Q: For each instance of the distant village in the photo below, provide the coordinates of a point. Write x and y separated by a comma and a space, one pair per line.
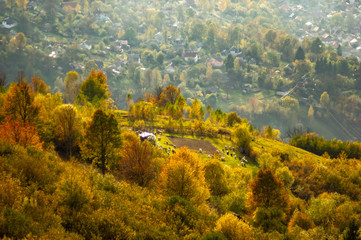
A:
334, 22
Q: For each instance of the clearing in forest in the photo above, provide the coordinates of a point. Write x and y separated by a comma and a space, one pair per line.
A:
193, 144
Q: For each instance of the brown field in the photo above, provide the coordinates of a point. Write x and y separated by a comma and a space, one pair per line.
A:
193, 144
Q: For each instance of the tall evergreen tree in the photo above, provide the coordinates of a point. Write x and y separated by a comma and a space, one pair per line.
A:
229, 63
300, 54
339, 50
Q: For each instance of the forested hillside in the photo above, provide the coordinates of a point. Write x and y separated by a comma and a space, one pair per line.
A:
80, 171
170, 119
269, 61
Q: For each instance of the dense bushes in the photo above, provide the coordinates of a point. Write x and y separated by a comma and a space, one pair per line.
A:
318, 145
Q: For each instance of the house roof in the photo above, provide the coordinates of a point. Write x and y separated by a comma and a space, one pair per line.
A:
215, 63
354, 41
325, 35
69, 4
146, 135
190, 54
123, 42
9, 23
169, 69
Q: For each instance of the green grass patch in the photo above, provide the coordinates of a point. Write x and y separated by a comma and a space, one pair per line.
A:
273, 146
220, 144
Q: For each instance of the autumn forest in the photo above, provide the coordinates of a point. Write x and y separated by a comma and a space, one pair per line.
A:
179, 120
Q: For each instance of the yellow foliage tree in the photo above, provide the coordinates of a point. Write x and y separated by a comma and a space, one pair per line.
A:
183, 176
224, 4
324, 99
22, 4
18, 42
234, 228
310, 112
209, 72
68, 127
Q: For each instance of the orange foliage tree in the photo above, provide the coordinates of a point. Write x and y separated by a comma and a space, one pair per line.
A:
18, 132
268, 191
38, 85
169, 94
21, 112
138, 163
270, 200
19, 103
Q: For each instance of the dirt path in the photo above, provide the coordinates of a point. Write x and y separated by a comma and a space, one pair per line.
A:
193, 144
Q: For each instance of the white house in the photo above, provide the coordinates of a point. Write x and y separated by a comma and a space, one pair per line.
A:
191, 56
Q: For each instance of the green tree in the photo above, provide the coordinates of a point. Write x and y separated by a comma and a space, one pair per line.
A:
300, 54
198, 30
229, 63
317, 46
273, 58
101, 138
339, 50
131, 35
303, 67
160, 58
94, 88
210, 39
322, 210
242, 138
190, 12
270, 219
342, 67
216, 178
233, 118
129, 99
337, 19
271, 36
148, 58
89, 66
